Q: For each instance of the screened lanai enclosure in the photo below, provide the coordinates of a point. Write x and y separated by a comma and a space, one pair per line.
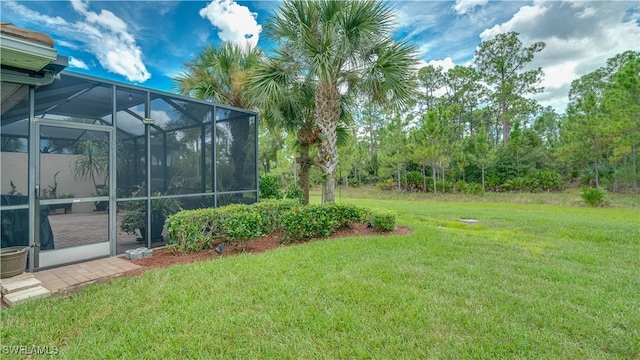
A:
85, 161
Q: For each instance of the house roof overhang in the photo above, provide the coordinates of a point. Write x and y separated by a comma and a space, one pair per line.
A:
28, 57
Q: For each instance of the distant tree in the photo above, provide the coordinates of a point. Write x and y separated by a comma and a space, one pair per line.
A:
602, 128
482, 155
393, 141
501, 62
622, 103
464, 93
429, 143
431, 78
547, 125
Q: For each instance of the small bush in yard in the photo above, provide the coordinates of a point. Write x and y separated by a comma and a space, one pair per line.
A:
294, 191
383, 221
593, 196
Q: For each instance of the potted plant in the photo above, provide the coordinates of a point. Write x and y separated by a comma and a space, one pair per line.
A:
135, 218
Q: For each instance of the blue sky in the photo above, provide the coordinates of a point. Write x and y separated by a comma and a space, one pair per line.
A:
146, 42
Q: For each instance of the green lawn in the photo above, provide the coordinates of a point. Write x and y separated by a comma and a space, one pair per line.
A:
527, 281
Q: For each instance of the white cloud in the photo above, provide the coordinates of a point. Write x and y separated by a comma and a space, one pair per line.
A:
67, 44
77, 63
102, 34
34, 16
446, 64
236, 22
465, 6
161, 117
580, 37
113, 45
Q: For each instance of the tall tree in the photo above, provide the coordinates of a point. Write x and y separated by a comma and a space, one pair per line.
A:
622, 103
393, 146
501, 61
343, 46
482, 154
428, 143
601, 127
464, 93
431, 79
586, 134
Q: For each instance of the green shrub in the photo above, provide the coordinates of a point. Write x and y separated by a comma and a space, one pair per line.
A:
308, 222
269, 187
593, 196
346, 214
461, 186
313, 221
193, 230
414, 181
515, 184
240, 223
474, 188
388, 184
383, 221
549, 181
273, 212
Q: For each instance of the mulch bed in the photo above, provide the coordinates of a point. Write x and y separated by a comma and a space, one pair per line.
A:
163, 258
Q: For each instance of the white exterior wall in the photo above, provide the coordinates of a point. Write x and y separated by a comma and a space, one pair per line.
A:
15, 167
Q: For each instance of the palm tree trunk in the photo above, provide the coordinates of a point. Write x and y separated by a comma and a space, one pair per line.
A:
305, 166
328, 111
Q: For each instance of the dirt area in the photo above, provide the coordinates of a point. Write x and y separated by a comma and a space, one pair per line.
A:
163, 258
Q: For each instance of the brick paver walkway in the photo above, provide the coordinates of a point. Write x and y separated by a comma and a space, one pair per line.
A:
62, 278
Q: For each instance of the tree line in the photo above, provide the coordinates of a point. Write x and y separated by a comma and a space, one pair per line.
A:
342, 102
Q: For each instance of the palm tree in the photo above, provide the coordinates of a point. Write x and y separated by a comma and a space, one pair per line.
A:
343, 47
220, 75
93, 162
287, 101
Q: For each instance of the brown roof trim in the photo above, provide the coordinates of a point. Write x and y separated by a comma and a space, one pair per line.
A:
30, 35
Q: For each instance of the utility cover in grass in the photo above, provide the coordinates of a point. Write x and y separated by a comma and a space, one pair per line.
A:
470, 221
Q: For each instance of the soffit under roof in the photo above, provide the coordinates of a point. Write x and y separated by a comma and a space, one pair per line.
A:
25, 49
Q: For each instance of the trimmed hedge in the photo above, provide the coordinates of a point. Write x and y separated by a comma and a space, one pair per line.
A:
273, 211
314, 221
194, 230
